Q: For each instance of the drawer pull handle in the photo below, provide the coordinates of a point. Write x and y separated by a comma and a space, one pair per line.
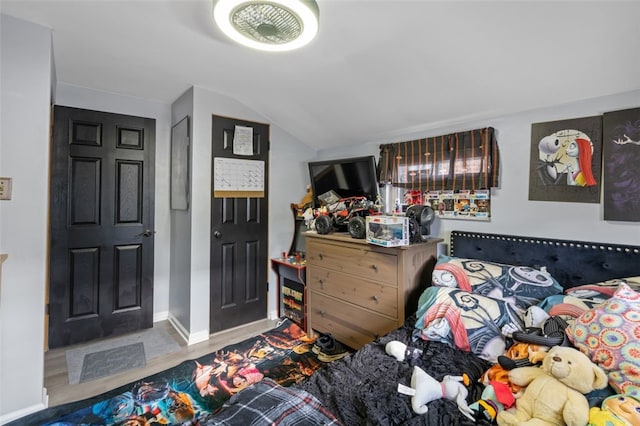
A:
322, 313
375, 298
321, 256
375, 267
321, 282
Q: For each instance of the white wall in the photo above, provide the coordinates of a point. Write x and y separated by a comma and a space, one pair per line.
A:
24, 148
24, 156
511, 211
180, 291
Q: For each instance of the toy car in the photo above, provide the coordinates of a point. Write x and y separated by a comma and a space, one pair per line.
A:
347, 213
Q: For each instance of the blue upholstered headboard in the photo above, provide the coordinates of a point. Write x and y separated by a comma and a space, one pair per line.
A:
572, 263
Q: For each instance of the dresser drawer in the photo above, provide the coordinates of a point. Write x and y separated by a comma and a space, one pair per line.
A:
349, 324
354, 260
368, 294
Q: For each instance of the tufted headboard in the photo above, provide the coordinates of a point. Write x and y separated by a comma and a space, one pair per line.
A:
571, 263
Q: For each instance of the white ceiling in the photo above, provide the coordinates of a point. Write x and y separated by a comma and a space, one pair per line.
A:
377, 69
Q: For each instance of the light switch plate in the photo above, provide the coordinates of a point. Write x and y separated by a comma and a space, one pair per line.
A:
5, 188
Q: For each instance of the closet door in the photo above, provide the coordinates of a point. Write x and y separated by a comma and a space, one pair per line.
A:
239, 223
101, 219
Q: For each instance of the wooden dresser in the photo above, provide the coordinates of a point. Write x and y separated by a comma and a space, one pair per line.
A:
358, 291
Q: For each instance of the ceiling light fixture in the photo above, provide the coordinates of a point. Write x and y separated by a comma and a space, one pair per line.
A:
275, 25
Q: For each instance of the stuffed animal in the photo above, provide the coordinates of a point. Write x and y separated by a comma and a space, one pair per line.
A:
495, 397
522, 354
518, 355
534, 316
617, 410
307, 199
401, 352
425, 389
555, 391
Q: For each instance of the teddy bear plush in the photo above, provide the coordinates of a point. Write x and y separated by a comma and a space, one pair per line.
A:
554, 394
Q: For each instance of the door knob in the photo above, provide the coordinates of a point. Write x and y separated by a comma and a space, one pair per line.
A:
217, 234
146, 233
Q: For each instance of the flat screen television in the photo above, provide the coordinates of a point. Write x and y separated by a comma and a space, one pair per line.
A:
348, 177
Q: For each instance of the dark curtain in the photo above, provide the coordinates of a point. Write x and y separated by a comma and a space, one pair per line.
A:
463, 160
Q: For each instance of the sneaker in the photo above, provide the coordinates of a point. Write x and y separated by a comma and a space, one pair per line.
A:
333, 352
323, 342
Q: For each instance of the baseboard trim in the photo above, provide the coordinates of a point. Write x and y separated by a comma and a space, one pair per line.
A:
201, 336
160, 316
15, 415
189, 338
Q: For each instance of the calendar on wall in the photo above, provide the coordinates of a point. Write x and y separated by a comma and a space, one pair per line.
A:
233, 177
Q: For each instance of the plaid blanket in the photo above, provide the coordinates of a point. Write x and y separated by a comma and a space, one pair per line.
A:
268, 403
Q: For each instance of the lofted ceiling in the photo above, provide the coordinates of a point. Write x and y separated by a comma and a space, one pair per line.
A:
378, 69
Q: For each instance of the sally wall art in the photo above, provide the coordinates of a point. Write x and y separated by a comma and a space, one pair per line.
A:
566, 159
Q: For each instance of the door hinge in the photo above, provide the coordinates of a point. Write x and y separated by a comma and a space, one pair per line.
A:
47, 308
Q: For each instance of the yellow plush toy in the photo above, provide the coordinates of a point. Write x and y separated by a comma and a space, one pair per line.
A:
555, 391
617, 410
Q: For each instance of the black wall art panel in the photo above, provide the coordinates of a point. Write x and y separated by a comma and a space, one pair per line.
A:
621, 157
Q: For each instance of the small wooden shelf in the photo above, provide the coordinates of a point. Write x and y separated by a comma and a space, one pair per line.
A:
292, 289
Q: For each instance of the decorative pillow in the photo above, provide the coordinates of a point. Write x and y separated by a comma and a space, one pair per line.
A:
603, 290
610, 335
466, 321
520, 285
568, 306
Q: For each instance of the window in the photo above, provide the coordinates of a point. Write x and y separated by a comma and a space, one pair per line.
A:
464, 160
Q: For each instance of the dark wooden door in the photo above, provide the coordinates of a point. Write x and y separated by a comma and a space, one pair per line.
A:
239, 223
101, 219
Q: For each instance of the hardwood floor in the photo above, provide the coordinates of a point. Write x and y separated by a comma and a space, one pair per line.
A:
56, 378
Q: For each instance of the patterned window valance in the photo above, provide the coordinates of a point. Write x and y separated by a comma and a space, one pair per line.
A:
464, 160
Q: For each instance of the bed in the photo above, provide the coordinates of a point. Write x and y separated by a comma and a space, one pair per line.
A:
362, 388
